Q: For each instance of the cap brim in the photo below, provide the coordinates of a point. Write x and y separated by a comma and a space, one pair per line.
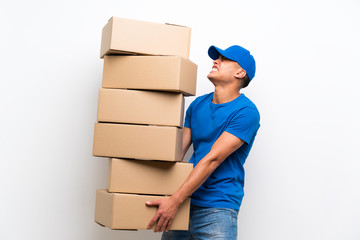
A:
215, 52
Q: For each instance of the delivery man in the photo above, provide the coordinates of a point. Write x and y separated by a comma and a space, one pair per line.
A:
221, 126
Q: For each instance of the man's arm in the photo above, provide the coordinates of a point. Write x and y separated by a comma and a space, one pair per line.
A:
168, 207
186, 141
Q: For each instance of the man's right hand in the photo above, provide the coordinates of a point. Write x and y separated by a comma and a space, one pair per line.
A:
167, 209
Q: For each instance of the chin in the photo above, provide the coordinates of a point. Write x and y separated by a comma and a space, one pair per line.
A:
211, 79
210, 75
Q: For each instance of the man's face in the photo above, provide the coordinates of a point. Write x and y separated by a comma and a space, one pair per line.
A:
223, 69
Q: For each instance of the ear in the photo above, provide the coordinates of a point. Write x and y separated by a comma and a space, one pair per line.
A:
241, 73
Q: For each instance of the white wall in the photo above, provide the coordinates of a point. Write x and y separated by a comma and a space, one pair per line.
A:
302, 175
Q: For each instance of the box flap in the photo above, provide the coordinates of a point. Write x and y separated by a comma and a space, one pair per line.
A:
176, 25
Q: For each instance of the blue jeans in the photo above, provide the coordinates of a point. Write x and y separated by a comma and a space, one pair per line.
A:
207, 223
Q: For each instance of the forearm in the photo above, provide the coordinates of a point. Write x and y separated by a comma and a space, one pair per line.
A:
222, 148
197, 177
168, 207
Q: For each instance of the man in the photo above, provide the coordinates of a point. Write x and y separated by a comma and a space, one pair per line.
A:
222, 126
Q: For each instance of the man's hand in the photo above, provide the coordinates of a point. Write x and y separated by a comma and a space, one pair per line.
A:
167, 209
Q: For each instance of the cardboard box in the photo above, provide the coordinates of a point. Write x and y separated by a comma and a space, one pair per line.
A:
146, 177
141, 107
137, 141
129, 211
163, 73
127, 36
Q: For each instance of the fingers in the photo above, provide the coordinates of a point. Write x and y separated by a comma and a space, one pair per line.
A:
156, 217
153, 220
169, 225
159, 225
153, 203
163, 217
162, 224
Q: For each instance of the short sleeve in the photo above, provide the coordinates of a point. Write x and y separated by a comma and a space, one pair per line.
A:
244, 124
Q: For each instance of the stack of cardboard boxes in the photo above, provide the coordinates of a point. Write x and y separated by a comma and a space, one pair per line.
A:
140, 119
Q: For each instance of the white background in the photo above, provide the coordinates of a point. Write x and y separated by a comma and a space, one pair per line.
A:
302, 176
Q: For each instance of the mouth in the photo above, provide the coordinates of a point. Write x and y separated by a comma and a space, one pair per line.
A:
214, 69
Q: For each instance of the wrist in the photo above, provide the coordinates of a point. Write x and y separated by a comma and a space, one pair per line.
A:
178, 198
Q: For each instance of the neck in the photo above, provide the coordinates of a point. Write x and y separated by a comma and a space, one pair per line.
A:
224, 95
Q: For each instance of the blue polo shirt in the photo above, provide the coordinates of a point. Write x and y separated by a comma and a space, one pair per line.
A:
225, 186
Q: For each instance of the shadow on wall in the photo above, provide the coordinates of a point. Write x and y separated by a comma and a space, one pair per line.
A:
189, 154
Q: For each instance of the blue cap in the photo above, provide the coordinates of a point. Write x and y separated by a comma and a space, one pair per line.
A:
237, 54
